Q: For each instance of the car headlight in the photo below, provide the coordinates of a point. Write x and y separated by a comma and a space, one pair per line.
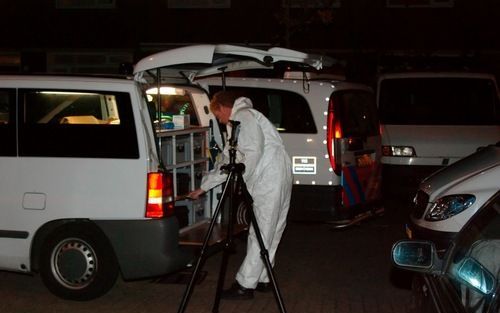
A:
398, 151
449, 206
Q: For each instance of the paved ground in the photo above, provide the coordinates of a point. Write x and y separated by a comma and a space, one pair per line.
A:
318, 270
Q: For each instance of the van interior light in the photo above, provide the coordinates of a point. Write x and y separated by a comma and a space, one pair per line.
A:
171, 91
67, 93
309, 140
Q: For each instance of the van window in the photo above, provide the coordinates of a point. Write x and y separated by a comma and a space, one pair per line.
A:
288, 111
7, 122
438, 101
357, 112
76, 124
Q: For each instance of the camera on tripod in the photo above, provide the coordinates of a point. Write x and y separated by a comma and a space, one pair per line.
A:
242, 198
233, 144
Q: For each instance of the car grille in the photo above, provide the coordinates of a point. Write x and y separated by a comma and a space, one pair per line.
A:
419, 204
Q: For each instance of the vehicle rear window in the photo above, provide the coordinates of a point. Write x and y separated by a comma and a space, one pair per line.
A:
7, 122
64, 123
438, 101
171, 105
357, 112
288, 111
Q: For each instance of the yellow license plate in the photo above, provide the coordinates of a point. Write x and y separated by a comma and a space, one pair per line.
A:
408, 232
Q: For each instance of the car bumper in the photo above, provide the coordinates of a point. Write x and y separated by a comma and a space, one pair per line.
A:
406, 175
441, 239
145, 248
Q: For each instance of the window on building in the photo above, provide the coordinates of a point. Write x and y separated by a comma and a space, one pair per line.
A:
420, 3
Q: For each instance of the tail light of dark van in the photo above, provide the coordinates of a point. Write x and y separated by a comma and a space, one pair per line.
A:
160, 195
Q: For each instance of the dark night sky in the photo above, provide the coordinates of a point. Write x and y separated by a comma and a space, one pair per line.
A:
360, 31
357, 24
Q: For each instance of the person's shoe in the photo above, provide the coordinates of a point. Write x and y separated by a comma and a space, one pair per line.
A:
264, 287
237, 292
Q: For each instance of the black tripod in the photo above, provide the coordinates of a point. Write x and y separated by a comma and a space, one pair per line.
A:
234, 186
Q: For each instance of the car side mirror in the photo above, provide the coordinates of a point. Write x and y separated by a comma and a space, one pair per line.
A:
418, 256
475, 275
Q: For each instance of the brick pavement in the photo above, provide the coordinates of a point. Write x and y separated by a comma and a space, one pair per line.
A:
318, 270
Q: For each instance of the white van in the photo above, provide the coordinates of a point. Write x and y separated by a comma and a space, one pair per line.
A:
432, 119
329, 127
88, 179
82, 195
449, 198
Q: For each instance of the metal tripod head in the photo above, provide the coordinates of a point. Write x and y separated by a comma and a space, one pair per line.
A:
233, 140
233, 144
233, 169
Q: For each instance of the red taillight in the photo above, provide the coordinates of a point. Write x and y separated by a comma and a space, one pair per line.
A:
338, 129
333, 131
160, 202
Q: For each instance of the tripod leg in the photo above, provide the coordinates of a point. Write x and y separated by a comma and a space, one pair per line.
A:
228, 245
265, 258
201, 259
222, 277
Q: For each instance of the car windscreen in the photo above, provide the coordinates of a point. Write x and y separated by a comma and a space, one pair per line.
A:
438, 101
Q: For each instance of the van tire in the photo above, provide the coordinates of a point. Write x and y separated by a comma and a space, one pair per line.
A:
77, 263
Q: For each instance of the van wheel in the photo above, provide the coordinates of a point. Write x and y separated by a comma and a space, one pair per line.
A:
77, 264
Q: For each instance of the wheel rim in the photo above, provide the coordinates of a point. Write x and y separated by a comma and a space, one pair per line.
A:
74, 263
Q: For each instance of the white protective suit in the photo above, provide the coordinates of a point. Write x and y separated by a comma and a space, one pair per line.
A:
268, 176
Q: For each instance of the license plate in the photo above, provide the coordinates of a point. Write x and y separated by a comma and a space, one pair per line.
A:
408, 232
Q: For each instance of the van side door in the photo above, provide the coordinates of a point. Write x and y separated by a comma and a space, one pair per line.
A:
10, 197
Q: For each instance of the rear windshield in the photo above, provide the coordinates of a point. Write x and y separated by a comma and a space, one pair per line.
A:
357, 112
438, 101
171, 105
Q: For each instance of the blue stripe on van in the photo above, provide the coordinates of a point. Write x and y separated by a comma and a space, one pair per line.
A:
348, 191
359, 188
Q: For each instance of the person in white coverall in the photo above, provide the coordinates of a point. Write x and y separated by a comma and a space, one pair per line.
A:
268, 176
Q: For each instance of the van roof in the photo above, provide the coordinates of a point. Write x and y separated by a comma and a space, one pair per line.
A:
66, 77
191, 62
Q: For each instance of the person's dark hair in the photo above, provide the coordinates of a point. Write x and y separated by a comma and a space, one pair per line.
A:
224, 98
